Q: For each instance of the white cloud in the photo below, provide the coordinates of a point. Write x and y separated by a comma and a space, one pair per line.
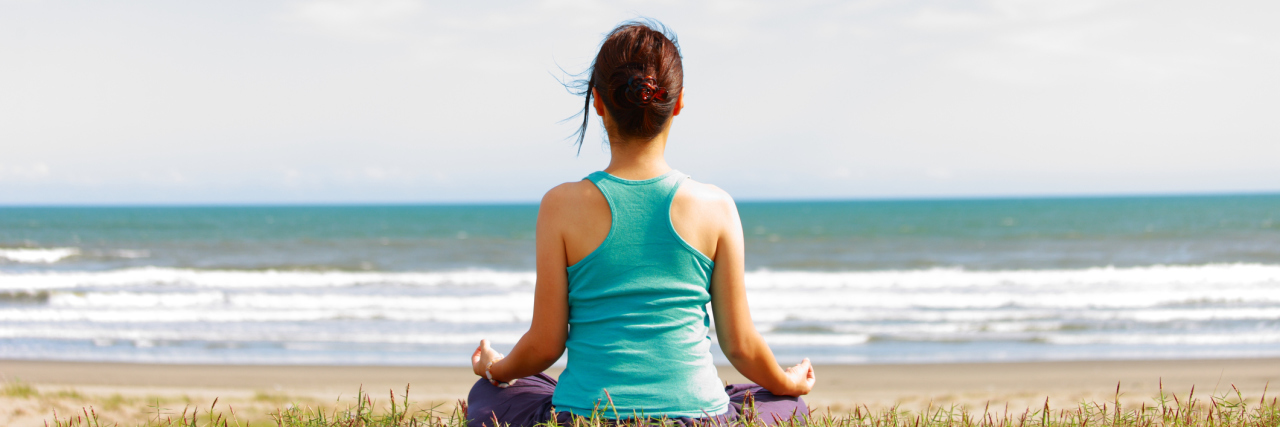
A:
939, 173
1032, 42
400, 100
1048, 10
939, 19
358, 19
29, 172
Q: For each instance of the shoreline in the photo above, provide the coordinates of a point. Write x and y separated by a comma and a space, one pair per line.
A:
68, 386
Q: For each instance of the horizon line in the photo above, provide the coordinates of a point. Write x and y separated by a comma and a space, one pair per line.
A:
1082, 196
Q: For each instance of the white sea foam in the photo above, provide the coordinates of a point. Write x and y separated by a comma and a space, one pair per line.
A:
135, 299
951, 331
151, 336
840, 312
240, 279
954, 296
1251, 337
517, 301
1058, 284
37, 256
188, 315
130, 253
816, 339
876, 314
1115, 298
1162, 276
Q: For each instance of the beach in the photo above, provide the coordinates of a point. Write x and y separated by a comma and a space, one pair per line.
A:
125, 392
309, 213
139, 312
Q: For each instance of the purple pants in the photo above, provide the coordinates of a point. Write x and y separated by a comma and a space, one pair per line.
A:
528, 402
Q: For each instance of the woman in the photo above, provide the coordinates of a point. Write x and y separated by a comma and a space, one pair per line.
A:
627, 260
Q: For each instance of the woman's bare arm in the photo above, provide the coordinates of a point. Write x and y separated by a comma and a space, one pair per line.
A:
543, 344
738, 338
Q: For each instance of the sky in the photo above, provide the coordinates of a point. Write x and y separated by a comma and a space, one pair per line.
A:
408, 101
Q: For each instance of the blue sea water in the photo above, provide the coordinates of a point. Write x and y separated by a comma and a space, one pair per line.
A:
839, 282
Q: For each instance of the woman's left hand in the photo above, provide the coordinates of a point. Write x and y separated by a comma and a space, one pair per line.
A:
802, 377
483, 356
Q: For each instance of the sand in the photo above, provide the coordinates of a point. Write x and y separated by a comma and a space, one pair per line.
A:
131, 392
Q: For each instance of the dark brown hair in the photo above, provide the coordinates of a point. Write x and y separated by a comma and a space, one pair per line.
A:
639, 77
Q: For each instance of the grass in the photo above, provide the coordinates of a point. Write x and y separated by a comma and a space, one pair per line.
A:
1166, 410
19, 390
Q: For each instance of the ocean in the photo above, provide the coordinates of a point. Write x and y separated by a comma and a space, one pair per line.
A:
914, 281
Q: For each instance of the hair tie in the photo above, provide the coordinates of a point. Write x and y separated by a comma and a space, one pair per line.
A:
643, 91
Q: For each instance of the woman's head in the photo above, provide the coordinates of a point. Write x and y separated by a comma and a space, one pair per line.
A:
638, 77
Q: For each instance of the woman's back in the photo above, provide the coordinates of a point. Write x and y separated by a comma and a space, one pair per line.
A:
625, 273
638, 300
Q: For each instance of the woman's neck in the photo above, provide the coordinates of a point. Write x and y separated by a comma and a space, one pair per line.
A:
638, 159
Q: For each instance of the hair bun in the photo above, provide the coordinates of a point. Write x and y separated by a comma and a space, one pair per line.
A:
643, 91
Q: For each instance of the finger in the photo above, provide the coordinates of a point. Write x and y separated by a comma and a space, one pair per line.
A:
485, 344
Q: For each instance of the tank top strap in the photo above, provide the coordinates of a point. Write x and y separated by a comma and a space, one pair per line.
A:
676, 180
637, 203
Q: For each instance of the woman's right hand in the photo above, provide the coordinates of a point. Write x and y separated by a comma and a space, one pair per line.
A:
483, 357
802, 378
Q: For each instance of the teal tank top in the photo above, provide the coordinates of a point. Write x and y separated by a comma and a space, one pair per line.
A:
638, 323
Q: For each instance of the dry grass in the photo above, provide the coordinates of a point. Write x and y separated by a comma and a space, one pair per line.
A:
1166, 409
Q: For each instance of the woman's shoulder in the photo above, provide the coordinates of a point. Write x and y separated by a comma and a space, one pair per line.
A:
571, 200
704, 195
703, 215
705, 201
572, 193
